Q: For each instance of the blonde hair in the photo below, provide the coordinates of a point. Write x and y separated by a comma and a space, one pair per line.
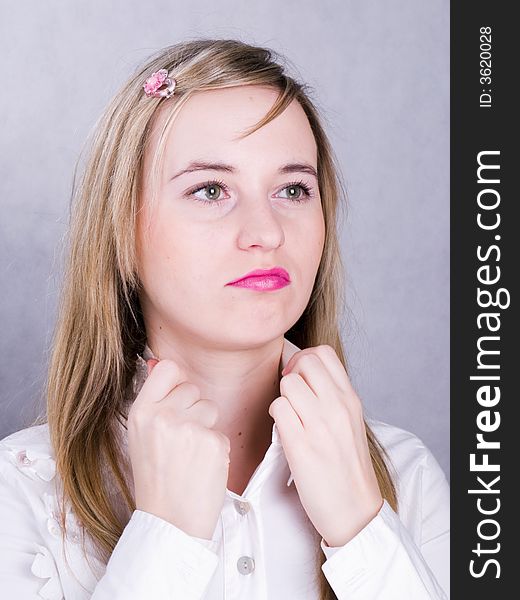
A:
100, 328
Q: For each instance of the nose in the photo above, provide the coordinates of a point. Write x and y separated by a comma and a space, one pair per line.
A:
260, 224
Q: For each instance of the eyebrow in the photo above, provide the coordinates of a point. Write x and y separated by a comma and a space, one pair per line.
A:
216, 166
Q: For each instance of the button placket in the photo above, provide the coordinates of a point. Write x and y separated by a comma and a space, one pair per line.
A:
245, 564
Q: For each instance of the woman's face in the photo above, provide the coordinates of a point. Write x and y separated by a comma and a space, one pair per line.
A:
211, 226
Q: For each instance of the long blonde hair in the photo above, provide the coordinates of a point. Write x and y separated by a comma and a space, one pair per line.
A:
100, 327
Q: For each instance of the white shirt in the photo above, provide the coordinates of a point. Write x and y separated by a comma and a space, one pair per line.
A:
263, 547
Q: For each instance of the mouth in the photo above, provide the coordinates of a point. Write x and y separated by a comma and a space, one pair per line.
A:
263, 280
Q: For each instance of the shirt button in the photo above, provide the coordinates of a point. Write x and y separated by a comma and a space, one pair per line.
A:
245, 565
242, 507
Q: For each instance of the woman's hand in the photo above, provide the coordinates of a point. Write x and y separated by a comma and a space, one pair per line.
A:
320, 421
180, 463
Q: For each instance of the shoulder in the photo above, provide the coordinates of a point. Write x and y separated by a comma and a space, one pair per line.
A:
29, 484
30, 528
421, 485
27, 480
27, 455
406, 451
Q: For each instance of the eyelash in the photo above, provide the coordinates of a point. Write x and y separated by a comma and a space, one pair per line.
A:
306, 190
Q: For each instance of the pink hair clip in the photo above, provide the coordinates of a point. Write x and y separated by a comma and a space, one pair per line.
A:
158, 80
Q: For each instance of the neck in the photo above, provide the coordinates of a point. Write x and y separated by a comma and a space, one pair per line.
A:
242, 381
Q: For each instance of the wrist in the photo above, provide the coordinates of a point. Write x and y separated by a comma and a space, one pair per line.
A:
341, 537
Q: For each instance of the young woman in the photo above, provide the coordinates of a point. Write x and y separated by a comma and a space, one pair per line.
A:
202, 437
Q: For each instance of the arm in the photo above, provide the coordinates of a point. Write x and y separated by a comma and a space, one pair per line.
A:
21, 545
383, 562
152, 559
155, 559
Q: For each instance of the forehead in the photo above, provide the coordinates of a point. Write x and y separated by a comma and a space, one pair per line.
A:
209, 125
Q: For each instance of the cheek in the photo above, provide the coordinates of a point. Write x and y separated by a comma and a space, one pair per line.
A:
311, 238
159, 241
320, 234
180, 257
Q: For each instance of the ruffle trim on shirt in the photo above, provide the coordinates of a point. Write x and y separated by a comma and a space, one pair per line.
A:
38, 463
35, 463
35, 460
43, 566
72, 526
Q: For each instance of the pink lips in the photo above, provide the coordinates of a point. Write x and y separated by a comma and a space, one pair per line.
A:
263, 280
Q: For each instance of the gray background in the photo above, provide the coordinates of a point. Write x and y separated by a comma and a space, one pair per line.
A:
381, 74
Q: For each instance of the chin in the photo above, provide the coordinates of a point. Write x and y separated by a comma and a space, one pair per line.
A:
249, 335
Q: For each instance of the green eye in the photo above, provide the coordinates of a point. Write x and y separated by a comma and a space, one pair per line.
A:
214, 186
307, 192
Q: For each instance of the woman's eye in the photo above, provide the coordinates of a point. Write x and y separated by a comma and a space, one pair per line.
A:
211, 192
297, 191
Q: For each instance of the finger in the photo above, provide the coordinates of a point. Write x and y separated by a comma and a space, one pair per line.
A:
328, 356
348, 394
204, 412
304, 403
311, 369
287, 422
150, 364
333, 364
166, 374
336, 370
296, 356
183, 396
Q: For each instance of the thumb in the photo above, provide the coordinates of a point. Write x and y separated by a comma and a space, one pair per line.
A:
270, 409
150, 363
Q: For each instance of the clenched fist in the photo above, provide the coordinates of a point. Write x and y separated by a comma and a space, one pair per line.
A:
179, 462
